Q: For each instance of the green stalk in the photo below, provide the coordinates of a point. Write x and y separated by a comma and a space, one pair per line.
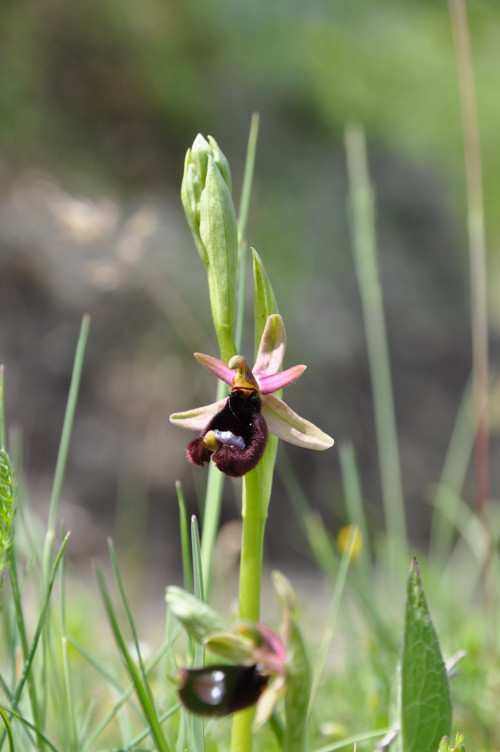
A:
362, 216
215, 483
477, 244
256, 495
479, 295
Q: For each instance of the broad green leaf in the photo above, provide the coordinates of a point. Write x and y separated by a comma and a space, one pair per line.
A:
425, 695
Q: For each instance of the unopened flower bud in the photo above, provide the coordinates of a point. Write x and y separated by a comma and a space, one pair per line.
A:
209, 208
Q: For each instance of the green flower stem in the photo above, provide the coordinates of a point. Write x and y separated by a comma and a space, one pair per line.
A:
254, 516
227, 346
256, 494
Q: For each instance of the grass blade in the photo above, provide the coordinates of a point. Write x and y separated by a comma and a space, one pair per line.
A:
246, 192
130, 620
8, 729
26, 676
184, 533
326, 640
477, 245
142, 691
356, 514
195, 724
362, 224
452, 478
65, 441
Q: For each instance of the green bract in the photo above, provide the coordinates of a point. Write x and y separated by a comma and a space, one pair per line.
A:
207, 201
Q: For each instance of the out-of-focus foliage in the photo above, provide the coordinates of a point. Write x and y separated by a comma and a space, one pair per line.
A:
106, 95
132, 81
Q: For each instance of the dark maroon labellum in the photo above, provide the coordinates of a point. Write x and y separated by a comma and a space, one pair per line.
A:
220, 690
240, 434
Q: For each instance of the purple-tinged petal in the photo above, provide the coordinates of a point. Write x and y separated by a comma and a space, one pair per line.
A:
217, 367
273, 382
283, 422
272, 346
198, 418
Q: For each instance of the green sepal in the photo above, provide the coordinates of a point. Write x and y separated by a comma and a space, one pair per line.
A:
265, 302
199, 619
232, 646
425, 704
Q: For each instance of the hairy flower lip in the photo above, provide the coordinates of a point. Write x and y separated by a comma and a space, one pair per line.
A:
264, 379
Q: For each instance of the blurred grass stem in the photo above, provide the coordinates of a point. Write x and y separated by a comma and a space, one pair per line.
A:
479, 296
362, 225
62, 455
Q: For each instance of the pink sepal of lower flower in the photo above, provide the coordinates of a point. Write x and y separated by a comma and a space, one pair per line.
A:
265, 378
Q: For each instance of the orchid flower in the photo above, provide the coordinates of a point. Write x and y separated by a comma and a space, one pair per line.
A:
263, 668
234, 430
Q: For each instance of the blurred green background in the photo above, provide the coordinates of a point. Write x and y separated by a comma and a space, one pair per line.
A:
99, 101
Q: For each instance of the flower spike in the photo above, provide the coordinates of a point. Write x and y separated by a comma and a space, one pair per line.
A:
234, 430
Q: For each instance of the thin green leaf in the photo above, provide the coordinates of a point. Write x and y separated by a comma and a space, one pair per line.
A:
362, 226
184, 531
298, 692
246, 192
41, 621
356, 514
328, 634
353, 740
7, 729
124, 694
425, 704
197, 564
141, 690
70, 726
65, 441
196, 724
31, 727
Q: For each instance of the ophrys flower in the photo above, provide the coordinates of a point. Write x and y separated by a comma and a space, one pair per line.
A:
234, 430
